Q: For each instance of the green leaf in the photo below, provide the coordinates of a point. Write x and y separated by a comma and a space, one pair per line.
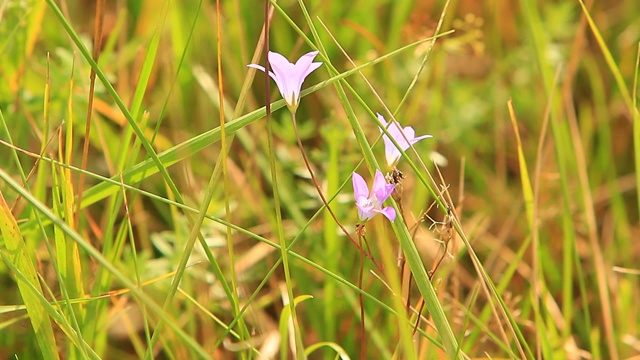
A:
285, 316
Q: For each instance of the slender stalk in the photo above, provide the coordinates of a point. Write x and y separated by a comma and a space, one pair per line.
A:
322, 197
363, 334
97, 44
225, 176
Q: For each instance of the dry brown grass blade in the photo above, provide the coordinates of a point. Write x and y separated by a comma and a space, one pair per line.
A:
97, 45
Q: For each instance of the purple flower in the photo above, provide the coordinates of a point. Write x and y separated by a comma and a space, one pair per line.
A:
392, 154
289, 77
370, 204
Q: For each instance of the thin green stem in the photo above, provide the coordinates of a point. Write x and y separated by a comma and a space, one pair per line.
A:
299, 349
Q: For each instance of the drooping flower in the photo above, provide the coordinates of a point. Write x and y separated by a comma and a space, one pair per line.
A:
370, 204
391, 152
289, 77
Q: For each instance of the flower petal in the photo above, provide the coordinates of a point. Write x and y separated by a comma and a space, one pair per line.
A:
261, 68
380, 188
289, 77
256, 66
415, 140
312, 67
382, 120
277, 61
397, 133
365, 214
360, 188
305, 65
391, 153
283, 73
404, 137
378, 181
409, 133
389, 212
366, 208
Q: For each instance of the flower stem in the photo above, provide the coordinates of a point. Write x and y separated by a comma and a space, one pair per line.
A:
363, 336
324, 200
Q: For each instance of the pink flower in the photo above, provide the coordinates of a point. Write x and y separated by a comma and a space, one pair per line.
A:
370, 204
392, 154
289, 77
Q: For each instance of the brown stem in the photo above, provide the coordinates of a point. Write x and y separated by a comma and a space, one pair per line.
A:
97, 45
324, 200
448, 230
363, 337
421, 307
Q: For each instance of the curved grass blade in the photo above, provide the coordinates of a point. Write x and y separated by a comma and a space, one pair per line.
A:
286, 324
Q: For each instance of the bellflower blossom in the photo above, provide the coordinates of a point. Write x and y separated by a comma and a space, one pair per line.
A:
392, 154
289, 77
370, 204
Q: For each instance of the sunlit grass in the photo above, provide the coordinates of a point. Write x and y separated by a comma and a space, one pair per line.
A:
157, 213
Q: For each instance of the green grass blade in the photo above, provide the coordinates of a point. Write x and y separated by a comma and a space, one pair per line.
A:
284, 326
100, 259
613, 66
636, 124
15, 252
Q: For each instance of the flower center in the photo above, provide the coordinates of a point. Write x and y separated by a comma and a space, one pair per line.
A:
366, 204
